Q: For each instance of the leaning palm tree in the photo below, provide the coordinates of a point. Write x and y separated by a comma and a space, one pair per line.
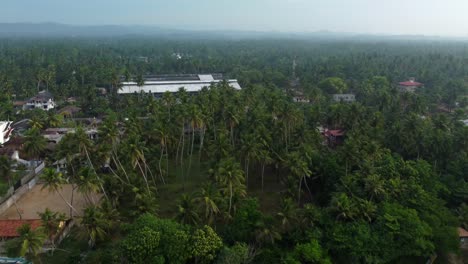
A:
31, 241
187, 213
53, 181
94, 224
231, 179
209, 198
51, 222
88, 183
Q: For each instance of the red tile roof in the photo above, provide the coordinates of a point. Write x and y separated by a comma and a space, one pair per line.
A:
462, 232
335, 133
410, 83
8, 227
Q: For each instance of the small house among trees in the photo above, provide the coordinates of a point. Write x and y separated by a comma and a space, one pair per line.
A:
409, 86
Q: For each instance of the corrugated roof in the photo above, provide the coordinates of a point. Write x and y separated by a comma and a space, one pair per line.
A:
171, 86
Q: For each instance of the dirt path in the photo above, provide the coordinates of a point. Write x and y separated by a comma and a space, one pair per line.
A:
37, 200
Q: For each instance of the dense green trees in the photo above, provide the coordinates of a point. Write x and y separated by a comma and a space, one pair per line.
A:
252, 165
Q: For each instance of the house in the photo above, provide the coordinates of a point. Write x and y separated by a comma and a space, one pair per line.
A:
43, 100
8, 230
463, 235
409, 86
158, 85
333, 137
5, 131
347, 98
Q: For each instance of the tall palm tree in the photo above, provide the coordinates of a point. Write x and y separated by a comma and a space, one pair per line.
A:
51, 222
95, 225
31, 241
208, 198
230, 177
5, 168
52, 181
34, 143
54, 120
187, 213
84, 145
135, 148
88, 183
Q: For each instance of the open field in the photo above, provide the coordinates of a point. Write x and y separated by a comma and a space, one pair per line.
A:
37, 200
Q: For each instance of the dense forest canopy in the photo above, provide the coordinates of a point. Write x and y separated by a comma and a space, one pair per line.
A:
247, 176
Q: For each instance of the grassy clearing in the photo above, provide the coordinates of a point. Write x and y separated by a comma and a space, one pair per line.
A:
181, 182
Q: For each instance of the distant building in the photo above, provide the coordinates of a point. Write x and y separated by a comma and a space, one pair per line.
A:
333, 137
5, 131
463, 235
465, 122
43, 100
409, 86
8, 228
158, 85
347, 98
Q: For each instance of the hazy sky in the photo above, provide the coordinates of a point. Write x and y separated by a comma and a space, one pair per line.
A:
429, 17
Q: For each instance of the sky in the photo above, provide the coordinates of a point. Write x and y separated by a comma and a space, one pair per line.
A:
407, 17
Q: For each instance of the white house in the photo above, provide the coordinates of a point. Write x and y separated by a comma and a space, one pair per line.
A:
43, 100
5, 131
347, 98
158, 85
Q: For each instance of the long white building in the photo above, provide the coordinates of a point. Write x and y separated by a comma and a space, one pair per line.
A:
172, 83
5, 131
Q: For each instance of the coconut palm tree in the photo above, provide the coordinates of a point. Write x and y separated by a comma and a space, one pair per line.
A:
230, 177
84, 145
53, 181
51, 222
95, 225
135, 149
209, 198
87, 183
5, 168
187, 213
34, 143
31, 241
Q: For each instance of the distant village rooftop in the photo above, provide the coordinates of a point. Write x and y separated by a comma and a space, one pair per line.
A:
159, 84
410, 83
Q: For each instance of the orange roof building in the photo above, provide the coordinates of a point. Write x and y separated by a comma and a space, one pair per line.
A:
8, 228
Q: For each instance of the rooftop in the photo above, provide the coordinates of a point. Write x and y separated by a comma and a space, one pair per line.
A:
8, 227
462, 232
172, 83
410, 83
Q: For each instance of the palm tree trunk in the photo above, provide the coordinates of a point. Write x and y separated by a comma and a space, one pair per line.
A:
191, 150
247, 161
63, 198
299, 192
144, 177
202, 137
263, 173
230, 197
100, 182
159, 164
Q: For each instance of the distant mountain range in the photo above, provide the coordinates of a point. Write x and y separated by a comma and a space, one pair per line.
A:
63, 30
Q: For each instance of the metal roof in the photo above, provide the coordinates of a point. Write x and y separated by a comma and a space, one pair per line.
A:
152, 85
